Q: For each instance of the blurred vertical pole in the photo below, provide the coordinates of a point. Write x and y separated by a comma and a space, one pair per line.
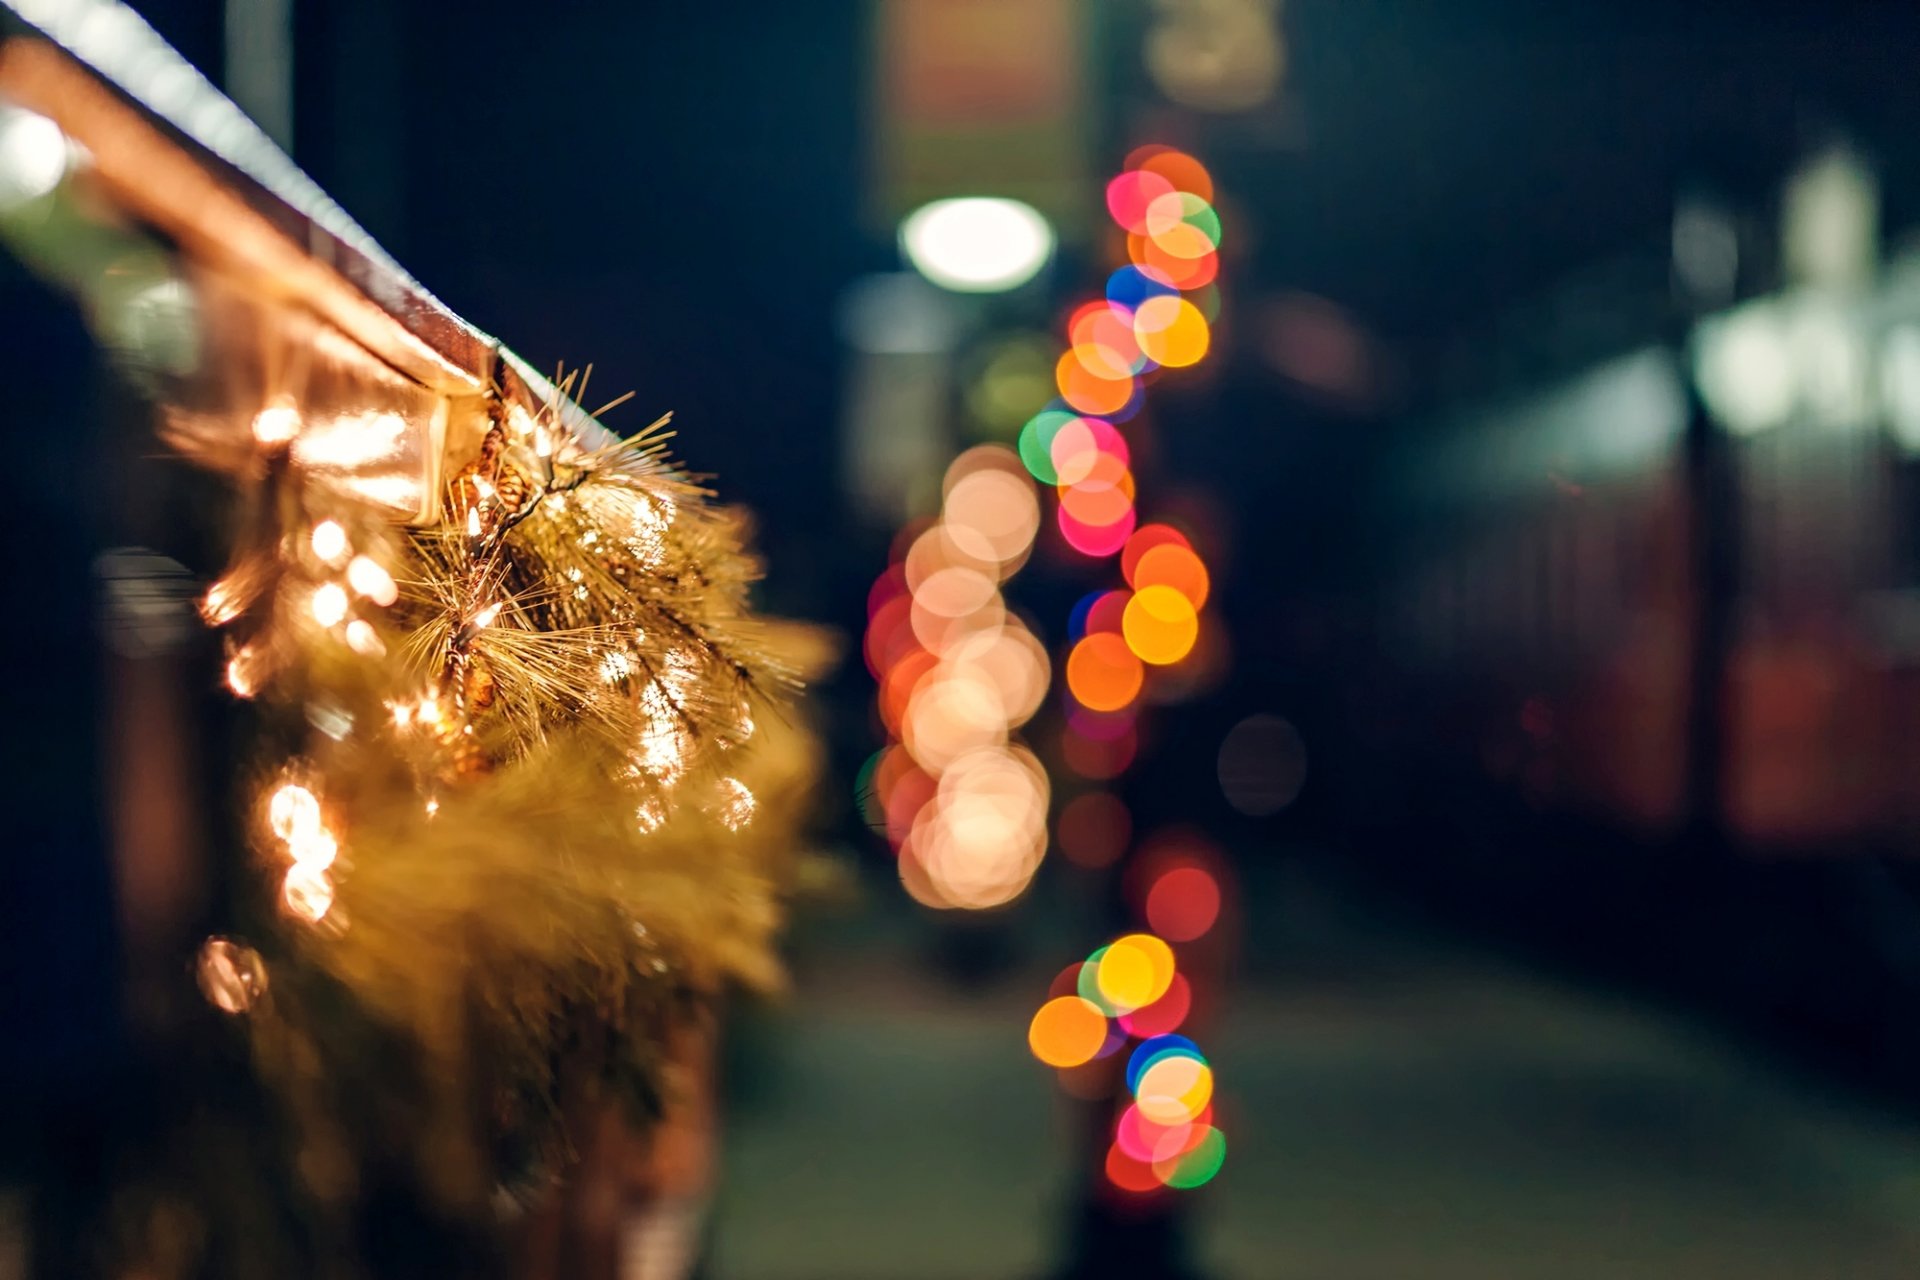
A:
258, 67
1710, 494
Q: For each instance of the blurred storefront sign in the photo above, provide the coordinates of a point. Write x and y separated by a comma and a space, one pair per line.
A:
982, 97
981, 108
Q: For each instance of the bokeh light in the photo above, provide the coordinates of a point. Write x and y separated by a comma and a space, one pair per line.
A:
1144, 539
1091, 392
1175, 1088
1101, 335
1186, 274
1084, 445
1087, 984
1036, 442
1102, 673
1093, 539
1093, 829
1126, 643
1183, 903
1160, 625
1148, 1142
1163, 1016
1067, 1031
1153, 1050
1129, 1174
1262, 765
1133, 284
1195, 1166
1098, 759
963, 805
1171, 332
991, 515
1183, 224
1135, 971
977, 244
1181, 171
1107, 612
1168, 564
1131, 194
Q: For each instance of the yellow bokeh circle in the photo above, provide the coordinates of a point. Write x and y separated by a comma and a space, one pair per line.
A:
1135, 971
1171, 331
1160, 625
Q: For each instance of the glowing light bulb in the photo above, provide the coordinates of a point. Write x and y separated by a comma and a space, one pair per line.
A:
231, 975
485, 617
33, 157
244, 672
292, 809
329, 541
222, 603
276, 424
367, 577
316, 849
308, 892
329, 604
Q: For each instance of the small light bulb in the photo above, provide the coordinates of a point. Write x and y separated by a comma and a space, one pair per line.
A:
293, 811
316, 849
485, 617
243, 673
308, 892
329, 541
372, 581
473, 522
329, 604
221, 604
363, 639
276, 424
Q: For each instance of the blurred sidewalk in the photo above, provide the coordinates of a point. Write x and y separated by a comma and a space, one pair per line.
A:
1395, 1107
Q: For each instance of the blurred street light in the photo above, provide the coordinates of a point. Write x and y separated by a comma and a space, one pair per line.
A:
977, 244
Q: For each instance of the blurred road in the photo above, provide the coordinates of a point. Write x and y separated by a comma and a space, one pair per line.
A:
1396, 1108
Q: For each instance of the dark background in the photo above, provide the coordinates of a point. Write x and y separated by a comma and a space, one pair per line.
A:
1523, 1031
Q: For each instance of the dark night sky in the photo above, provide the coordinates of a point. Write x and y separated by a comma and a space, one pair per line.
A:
676, 193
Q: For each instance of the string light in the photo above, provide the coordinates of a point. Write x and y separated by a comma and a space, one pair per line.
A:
329, 541
368, 578
1120, 638
329, 604
276, 424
